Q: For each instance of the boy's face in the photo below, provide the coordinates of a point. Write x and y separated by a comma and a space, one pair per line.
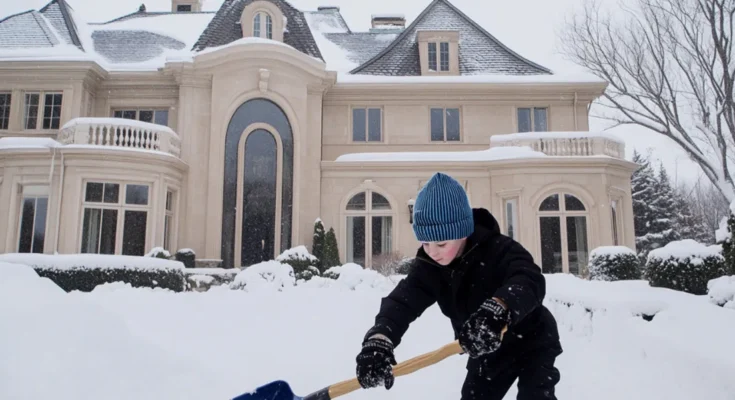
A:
444, 252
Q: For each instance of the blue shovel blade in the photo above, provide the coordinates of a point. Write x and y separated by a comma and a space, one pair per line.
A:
277, 390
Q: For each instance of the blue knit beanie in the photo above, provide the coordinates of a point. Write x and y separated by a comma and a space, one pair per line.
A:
442, 211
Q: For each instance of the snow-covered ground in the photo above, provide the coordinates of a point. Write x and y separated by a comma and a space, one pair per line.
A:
124, 343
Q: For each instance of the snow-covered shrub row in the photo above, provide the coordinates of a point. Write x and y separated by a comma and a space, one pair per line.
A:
614, 263
274, 275
721, 291
685, 265
83, 272
200, 279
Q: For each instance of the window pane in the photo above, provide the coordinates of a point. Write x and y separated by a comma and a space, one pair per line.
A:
4, 110
577, 244
551, 203
183, 8
259, 198
358, 124
572, 203
31, 111
452, 124
109, 232
169, 200
444, 54
256, 25
52, 111
510, 218
39, 228
146, 115
167, 232
539, 119
129, 114
112, 192
380, 202
94, 192
356, 240
382, 238
136, 194
25, 242
357, 202
134, 233
551, 261
268, 27
524, 120
374, 124
432, 56
161, 117
437, 124
117, 114
614, 219
91, 230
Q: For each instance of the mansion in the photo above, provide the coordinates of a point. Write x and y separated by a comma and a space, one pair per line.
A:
232, 132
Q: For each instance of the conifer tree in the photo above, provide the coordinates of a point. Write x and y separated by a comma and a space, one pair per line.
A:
642, 189
662, 230
318, 242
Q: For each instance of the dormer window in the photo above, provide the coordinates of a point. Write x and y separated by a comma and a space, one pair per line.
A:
183, 8
186, 6
262, 19
439, 52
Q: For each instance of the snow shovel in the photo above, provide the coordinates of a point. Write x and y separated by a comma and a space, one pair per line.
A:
280, 390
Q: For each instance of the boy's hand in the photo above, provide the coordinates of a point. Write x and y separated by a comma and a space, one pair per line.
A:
482, 333
374, 363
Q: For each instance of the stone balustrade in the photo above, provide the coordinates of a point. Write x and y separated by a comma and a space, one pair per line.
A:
564, 143
120, 133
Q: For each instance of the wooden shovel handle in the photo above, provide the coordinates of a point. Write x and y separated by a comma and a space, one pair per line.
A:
406, 367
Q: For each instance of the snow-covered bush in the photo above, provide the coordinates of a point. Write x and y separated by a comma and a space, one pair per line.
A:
159, 252
186, 256
685, 265
355, 277
391, 263
267, 275
83, 272
614, 263
721, 291
202, 279
304, 264
726, 237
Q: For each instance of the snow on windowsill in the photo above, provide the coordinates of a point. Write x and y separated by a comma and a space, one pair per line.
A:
554, 135
492, 154
89, 261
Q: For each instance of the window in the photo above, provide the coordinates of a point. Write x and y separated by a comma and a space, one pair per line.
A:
369, 227
614, 221
532, 119
258, 20
50, 118
183, 8
366, 124
155, 116
563, 216
33, 219
168, 222
113, 211
443, 56
511, 218
4, 110
445, 124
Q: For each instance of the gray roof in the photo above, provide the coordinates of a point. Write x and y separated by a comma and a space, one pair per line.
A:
225, 27
122, 46
57, 12
27, 29
479, 51
361, 46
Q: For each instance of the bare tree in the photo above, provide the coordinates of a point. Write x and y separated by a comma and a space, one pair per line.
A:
706, 203
670, 68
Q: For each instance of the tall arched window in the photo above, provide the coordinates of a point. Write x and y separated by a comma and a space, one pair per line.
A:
369, 229
563, 226
259, 19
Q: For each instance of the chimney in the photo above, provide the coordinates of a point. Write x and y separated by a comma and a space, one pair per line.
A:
184, 6
388, 21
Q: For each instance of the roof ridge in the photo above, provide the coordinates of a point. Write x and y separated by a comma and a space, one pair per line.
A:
48, 30
70, 23
119, 19
16, 15
397, 39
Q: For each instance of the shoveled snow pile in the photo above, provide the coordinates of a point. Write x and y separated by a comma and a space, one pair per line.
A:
118, 342
721, 291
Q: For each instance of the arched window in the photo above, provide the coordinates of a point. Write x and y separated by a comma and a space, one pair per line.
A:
563, 227
369, 228
259, 19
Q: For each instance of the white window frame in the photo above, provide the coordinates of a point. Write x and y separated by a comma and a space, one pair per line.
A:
437, 59
369, 213
444, 120
533, 117
121, 208
264, 25
367, 124
7, 109
41, 109
562, 214
37, 191
169, 235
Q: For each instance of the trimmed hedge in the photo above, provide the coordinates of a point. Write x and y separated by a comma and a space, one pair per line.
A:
304, 264
685, 265
614, 263
86, 279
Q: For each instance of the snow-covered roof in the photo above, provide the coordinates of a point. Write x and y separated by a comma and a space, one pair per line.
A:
491, 154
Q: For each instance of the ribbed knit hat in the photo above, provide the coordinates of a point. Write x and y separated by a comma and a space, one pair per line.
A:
442, 211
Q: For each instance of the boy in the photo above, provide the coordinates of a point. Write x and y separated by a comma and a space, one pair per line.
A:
483, 281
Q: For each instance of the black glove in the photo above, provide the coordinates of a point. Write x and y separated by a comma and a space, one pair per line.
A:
481, 334
374, 363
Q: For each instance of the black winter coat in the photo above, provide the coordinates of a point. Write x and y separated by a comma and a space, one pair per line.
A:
492, 265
